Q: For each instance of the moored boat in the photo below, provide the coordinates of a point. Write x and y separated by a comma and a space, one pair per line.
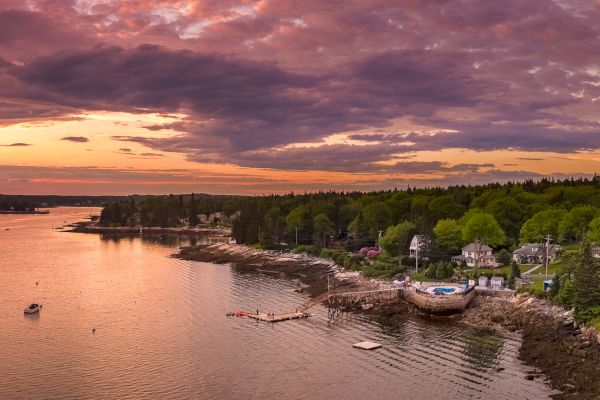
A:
32, 308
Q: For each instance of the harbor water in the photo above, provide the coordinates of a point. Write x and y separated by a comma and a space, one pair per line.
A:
122, 319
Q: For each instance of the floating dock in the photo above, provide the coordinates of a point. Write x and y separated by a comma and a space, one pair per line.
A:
367, 345
279, 317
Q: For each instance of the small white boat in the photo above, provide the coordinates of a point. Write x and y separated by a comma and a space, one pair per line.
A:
33, 308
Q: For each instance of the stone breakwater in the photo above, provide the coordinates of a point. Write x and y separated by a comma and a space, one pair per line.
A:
553, 342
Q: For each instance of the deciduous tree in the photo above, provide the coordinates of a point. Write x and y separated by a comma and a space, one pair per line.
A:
575, 223
323, 228
448, 234
482, 228
396, 237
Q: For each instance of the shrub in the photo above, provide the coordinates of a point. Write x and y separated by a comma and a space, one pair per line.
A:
504, 257
373, 253
440, 270
307, 249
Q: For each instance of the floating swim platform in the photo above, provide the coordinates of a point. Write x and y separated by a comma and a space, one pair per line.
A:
367, 345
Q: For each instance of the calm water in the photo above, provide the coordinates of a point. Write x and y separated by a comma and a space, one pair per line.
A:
161, 331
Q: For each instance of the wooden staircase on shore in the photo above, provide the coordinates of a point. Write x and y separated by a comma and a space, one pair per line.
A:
313, 302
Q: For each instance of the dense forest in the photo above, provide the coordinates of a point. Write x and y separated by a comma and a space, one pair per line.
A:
511, 213
371, 231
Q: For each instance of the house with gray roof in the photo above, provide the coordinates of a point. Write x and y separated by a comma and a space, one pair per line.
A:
533, 253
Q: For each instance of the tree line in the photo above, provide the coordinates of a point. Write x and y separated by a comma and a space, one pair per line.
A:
500, 215
166, 211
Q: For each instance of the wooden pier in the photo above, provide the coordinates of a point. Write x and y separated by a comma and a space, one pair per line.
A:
279, 317
338, 302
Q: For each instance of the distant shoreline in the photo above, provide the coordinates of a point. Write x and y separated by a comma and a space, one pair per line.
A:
8, 212
93, 227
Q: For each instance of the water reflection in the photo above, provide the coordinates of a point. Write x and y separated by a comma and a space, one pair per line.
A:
483, 351
168, 240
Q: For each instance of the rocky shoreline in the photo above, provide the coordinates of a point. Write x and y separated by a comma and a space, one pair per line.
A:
552, 342
312, 271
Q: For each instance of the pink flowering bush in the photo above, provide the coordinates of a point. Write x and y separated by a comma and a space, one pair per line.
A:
369, 252
373, 253
363, 251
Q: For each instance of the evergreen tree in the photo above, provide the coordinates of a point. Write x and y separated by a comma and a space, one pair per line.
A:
515, 271
586, 283
193, 211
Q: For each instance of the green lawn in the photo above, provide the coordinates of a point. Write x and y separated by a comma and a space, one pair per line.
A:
522, 267
571, 246
423, 278
552, 269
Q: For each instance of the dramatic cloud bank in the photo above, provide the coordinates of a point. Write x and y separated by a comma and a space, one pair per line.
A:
338, 86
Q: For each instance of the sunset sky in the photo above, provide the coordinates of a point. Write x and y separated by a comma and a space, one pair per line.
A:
228, 96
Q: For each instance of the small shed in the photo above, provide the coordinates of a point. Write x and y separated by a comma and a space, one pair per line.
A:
497, 282
483, 281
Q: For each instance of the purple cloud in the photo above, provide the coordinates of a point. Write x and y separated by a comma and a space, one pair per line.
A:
517, 75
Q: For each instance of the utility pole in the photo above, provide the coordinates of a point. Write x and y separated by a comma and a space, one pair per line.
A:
296, 236
417, 255
548, 237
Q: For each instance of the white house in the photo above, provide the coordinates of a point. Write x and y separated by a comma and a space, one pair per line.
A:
533, 253
418, 244
212, 217
474, 251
